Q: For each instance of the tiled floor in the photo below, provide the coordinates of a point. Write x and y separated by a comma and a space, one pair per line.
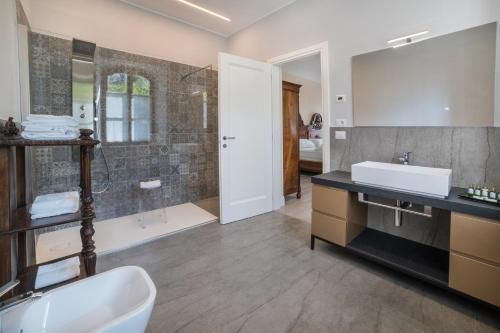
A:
259, 275
300, 208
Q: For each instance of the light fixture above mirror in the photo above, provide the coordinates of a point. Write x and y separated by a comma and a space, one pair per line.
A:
407, 40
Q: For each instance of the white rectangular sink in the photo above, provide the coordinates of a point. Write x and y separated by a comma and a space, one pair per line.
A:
433, 182
116, 301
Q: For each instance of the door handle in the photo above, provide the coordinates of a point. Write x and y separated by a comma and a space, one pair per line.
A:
228, 137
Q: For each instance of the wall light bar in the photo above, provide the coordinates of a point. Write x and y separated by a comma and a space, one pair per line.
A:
190, 4
407, 37
408, 42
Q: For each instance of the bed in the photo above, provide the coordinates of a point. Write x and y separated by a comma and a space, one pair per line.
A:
311, 155
310, 147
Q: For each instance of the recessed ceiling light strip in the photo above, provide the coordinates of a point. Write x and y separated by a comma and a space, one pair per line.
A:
190, 4
407, 37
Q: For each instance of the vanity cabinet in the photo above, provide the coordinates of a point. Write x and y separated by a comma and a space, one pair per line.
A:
475, 257
470, 267
475, 236
337, 216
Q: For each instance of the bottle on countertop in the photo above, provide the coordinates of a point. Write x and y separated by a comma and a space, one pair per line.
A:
470, 190
493, 194
477, 191
485, 192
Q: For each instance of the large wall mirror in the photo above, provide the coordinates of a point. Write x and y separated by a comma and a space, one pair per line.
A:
442, 81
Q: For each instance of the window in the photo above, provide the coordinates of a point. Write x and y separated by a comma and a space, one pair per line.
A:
128, 108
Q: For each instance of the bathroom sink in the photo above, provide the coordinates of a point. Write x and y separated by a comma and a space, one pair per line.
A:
119, 300
433, 182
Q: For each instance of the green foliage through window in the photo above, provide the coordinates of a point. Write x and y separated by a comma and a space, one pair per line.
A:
117, 83
140, 86
128, 108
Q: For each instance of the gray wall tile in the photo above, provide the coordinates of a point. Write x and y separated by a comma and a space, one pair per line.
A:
473, 153
181, 153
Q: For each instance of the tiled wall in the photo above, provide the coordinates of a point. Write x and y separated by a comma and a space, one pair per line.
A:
473, 153
181, 153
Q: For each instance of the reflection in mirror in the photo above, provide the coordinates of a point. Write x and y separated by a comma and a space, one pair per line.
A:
443, 81
128, 108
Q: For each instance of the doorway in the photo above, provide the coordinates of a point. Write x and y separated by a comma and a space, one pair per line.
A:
251, 132
305, 82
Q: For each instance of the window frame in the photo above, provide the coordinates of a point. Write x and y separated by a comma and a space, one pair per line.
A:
130, 75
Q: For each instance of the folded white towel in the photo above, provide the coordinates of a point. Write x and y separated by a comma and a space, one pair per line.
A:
46, 118
72, 261
55, 204
48, 127
150, 184
57, 272
70, 135
49, 123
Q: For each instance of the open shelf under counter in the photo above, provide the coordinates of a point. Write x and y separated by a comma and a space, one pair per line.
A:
422, 261
21, 221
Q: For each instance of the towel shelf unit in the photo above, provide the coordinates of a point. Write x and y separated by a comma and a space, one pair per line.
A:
20, 142
15, 219
21, 221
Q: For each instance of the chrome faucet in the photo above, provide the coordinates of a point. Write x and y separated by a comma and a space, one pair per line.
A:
19, 299
405, 159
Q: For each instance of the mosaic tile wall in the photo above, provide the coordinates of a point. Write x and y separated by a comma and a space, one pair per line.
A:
473, 153
181, 153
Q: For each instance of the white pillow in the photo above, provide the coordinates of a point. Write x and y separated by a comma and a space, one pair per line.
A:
306, 144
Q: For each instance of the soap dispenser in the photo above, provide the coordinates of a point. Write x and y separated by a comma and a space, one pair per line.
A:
493, 194
485, 192
477, 191
470, 190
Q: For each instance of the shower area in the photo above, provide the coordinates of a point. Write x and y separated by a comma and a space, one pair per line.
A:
157, 123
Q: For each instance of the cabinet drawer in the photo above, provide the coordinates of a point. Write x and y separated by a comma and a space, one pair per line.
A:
475, 236
328, 228
330, 201
475, 278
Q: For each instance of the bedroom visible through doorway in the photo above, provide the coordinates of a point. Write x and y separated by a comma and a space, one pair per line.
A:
303, 132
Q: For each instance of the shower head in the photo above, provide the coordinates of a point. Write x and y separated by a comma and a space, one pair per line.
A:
83, 50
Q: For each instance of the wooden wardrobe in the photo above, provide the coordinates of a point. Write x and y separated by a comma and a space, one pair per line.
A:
291, 155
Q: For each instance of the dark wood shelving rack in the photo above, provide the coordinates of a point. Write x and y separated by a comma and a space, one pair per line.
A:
15, 219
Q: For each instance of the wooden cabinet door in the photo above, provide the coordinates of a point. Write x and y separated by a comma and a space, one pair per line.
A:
291, 173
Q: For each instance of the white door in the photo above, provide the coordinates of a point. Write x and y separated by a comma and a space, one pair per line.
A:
245, 138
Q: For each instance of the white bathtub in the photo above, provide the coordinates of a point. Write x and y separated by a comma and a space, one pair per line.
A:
116, 301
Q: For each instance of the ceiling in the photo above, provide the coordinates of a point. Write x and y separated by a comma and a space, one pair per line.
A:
242, 13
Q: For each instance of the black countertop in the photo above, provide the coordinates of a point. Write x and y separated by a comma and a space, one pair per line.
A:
342, 180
